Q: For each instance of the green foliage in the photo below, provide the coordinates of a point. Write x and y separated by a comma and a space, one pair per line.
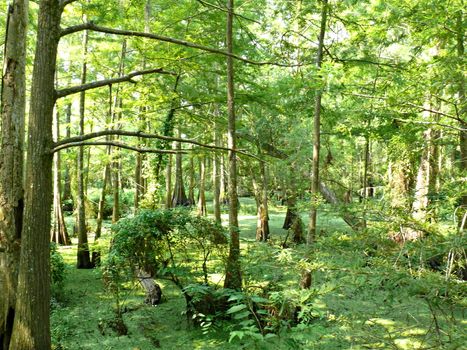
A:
58, 275
57, 266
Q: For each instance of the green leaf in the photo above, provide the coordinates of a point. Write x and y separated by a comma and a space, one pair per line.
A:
236, 308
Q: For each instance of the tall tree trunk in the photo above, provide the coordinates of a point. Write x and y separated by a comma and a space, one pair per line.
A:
233, 276
67, 176
31, 329
116, 161
138, 180
261, 193
13, 97
84, 258
316, 130
202, 182
168, 183
460, 30
59, 231
100, 209
216, 175
223, 195
191, 185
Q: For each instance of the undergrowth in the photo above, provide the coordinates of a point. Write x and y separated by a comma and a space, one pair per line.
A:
367, 292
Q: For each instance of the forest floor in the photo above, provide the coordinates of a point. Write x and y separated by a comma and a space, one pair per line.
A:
363, 296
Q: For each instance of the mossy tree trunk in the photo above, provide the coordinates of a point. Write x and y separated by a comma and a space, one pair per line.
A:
233, 276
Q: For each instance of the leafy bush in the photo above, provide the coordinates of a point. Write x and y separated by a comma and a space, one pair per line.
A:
170, 243
57, 273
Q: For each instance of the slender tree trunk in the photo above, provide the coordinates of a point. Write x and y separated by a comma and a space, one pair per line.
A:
233, 276
202, 182
191, 185
216, 175
138, 180
261, 193
31, 329
84, 258
66, 176
460, 30
100, 210
13, 97
316, 130
116, 119
223, 198
59, 231
168, 183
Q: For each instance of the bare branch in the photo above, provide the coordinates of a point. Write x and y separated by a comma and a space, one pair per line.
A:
114, 144
430, 123
95, 84
421, 108
96, 28
431, 110
78, 140
208, 4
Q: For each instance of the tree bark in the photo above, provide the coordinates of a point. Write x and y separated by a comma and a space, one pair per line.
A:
83, 255
316, 130
31, 329
233, 276
13, 97
202, 182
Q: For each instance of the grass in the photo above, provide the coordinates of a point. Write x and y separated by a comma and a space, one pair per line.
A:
361, 298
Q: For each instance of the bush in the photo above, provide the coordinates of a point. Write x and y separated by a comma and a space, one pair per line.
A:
57, 272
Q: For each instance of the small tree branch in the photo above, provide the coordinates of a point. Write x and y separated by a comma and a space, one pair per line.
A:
208, 4
96, 28
114, 144
95, 84
79, 139
430, 123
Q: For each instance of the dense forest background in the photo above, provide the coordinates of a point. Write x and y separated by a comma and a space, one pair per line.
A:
284, 173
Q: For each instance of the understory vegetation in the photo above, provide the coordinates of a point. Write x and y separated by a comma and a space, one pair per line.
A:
366, 291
